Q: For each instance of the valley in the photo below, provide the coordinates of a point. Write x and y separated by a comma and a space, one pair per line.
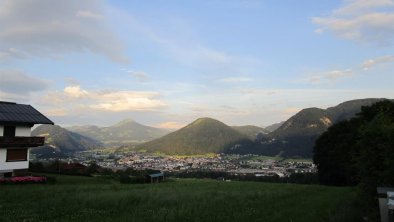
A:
294, 137
251, 165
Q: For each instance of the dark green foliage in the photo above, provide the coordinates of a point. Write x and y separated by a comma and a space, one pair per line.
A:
335, 152
93, 168
132, 179
376, 147
359, 151
97, 199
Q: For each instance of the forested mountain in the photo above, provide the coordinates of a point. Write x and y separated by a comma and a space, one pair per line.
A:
251, 131
273, 127
61, 141
205, 135
297, 135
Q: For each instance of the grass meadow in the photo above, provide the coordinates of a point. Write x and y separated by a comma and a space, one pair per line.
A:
74, 198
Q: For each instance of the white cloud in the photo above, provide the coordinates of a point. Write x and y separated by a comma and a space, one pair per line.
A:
74, 97
46, 28
127, 101
330, 76
75, 91
368, 64
362, 21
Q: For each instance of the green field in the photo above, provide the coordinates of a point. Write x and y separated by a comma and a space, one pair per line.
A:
74, 198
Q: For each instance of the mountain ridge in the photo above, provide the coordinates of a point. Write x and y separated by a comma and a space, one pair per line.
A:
125, 132
297, 135
59, 140
204, 135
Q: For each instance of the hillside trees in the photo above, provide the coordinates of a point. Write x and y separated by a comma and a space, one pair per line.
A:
359, 151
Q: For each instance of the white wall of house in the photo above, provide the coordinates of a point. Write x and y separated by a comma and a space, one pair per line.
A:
22, 131
10, 166
19, 131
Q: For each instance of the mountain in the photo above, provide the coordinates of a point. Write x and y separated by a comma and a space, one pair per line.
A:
273, 127
297, 135
123, 133
61, 141
251, 131
205, 135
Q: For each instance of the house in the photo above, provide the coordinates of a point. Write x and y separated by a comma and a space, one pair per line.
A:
16, 121
156, 177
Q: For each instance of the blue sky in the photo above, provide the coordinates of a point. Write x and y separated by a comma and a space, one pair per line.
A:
166, 63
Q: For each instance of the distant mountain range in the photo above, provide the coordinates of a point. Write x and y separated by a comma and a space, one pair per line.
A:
294, 137
205, 135
126, 132
59, 141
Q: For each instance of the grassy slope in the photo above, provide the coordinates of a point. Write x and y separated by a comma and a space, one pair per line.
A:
94, 199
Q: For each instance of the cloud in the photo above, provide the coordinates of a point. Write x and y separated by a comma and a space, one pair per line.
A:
121, 101
362, 21
89, 15
74, 97
56, 112
330, 76
354, 7
75, 91
368, 64
11, 53
139, 75
46, 28
19, 83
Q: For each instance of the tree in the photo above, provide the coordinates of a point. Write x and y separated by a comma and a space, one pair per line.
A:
359, 151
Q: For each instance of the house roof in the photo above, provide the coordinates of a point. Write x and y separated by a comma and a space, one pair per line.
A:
13, 113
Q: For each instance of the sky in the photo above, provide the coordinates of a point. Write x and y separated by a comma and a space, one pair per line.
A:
166, 63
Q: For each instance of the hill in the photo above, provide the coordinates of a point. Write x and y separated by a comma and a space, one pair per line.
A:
273, 127
61, 141
125, 132
251, 131
205, 135
297, 135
